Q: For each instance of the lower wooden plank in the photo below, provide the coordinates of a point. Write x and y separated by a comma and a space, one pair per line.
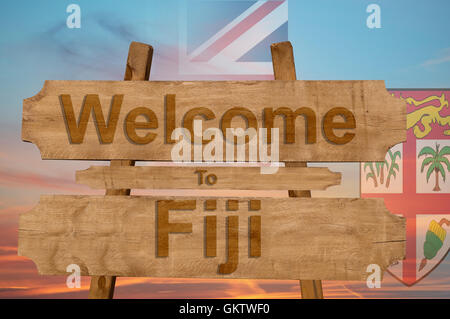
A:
322, 239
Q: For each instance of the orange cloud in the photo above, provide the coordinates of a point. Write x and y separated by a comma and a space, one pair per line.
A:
32, 180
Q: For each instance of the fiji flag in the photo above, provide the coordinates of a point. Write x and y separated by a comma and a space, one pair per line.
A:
230, 39
414, 181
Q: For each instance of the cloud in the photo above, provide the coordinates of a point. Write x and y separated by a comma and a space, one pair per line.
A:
443, 56
12, 289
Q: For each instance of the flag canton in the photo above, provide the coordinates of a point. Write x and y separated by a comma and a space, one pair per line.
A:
231, 38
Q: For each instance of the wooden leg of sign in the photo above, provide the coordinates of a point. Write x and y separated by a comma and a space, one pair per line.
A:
138, 69
102, 287
284, 69
311, 289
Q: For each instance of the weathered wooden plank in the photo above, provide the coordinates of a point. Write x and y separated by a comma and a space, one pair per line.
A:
166, 237
207, 177
346, 120
284, 69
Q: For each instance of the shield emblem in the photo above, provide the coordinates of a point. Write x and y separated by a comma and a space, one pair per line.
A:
414, 181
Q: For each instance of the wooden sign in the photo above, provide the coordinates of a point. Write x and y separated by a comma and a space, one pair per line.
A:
256, 238
317, 120
206, 177
290, 238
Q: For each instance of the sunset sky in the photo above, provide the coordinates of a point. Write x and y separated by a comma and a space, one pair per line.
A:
331, 42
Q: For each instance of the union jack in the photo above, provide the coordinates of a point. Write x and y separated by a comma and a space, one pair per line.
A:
239, 45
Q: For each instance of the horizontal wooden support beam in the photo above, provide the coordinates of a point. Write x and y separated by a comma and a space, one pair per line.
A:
207, 177
289, 238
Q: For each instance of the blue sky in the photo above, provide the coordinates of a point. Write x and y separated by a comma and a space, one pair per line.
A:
331, 41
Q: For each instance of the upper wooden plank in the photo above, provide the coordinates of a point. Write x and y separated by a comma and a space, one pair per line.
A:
52, 120
286, 238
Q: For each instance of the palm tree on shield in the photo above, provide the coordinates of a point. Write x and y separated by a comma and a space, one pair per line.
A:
435, 158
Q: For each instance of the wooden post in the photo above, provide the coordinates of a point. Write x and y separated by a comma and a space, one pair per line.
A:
284, 69
138, 69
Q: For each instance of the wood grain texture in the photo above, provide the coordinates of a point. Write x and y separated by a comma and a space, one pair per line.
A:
311, 289
236, 178
329, 239
284, 69
138, 68
380, 118
102, 287
283, 61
